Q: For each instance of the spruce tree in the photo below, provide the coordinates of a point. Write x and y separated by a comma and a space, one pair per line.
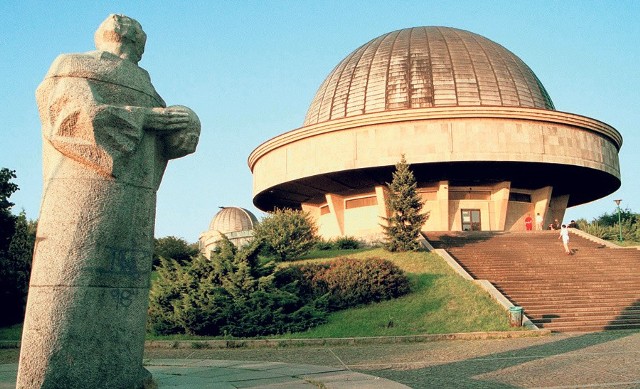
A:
404, 207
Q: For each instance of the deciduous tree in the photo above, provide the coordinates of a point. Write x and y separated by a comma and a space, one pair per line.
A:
7, 219
15, 270
171, 247
287, 233
17, 237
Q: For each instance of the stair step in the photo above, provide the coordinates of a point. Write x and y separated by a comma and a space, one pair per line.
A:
581, 327
587, 316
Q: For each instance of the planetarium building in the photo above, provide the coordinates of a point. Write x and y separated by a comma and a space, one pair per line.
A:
478, 128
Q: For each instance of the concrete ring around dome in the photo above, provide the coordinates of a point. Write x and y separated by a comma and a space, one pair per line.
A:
352, 156
428, 136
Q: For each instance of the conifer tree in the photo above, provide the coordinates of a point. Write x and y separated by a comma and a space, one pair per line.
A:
236, 293
404, 206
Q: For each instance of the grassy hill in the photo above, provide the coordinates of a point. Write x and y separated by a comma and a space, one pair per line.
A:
440, 302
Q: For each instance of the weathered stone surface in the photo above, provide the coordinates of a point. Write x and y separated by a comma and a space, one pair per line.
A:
107, 137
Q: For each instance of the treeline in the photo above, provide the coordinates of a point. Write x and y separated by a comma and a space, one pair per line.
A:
607, 226
17, 239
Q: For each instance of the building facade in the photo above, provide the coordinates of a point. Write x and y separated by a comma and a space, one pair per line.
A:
478, 128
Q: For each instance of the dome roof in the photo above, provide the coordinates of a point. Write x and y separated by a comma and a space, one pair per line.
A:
425, 67
232, 219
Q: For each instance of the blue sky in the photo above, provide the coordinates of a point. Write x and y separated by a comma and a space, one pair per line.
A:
250, 69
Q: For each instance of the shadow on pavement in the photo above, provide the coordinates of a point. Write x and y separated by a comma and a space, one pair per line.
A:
460, 374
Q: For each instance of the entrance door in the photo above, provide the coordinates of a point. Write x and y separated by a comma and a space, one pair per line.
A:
470, 220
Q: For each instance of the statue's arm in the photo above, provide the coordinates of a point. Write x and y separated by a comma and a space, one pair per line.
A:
80, 125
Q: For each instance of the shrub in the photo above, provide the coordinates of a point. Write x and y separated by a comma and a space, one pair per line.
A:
287, 234
630, 230
347, 243
341, 243
351, 282
323, 245
597, 230
235, 294
168, 289
607, 226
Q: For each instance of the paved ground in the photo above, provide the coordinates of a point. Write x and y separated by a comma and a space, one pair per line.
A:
599, 360
218, 374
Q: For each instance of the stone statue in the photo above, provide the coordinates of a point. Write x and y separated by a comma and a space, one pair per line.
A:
107, 137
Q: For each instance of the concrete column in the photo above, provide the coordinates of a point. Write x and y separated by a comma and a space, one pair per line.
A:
442, 197
336, 206
541, 199
500, 203
381, 197
558, 207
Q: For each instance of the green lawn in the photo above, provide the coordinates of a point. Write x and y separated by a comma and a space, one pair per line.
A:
626, 243
440, 302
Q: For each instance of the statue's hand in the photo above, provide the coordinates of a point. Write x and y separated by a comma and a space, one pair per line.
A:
166, 119
180, 143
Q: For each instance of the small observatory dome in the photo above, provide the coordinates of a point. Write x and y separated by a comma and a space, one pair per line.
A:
235, 223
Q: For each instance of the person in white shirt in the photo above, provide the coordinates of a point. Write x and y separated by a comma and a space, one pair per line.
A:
538, 222
564, 235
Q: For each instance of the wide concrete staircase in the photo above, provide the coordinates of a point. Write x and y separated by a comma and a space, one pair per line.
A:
597, 288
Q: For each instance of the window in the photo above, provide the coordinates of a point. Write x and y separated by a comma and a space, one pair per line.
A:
361, 202
470, 195
521, 197
471, 220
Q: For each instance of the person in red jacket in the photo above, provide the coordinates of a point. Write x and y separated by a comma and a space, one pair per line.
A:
528, 223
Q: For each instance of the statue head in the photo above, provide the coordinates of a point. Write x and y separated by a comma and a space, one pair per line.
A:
122, 36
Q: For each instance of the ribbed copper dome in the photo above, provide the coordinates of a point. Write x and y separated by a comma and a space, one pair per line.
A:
233, 219
424, 67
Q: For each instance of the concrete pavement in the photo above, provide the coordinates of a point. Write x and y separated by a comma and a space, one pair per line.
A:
217, 374
582, 360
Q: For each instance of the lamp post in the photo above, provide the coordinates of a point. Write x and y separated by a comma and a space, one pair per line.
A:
619, 220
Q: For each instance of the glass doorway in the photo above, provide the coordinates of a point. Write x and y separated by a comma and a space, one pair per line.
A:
471, 220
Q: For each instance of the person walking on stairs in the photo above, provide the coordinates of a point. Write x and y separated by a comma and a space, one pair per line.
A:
564, 235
